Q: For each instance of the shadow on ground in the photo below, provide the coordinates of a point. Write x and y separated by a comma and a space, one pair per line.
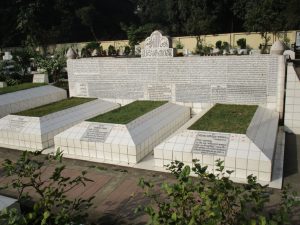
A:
291, 163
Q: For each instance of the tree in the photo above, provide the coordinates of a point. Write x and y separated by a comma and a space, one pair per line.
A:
264, 16
136, 34
51, 206
86, 14
291, 13
212, 199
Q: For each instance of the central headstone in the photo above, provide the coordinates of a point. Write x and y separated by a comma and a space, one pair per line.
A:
157, 45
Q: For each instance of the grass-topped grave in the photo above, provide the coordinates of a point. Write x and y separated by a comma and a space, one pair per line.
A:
226, 118
125, 134
18, 87
128, 113
34, 129
54, 107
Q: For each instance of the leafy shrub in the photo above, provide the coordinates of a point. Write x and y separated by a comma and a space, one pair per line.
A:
201, 48
23, 58
212, 199
179, 45
88, 49
242, 43
112, 50
219, 44
10, 72
51, 206
127, 50
53, 65
225, 46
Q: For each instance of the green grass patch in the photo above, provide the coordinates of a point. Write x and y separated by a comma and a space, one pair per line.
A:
226, 118
54, 107
128, 112
19, 87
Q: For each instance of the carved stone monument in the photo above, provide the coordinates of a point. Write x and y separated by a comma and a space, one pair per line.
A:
157, 45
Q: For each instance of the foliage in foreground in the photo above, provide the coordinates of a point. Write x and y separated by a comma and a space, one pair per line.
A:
212, 199
51, 204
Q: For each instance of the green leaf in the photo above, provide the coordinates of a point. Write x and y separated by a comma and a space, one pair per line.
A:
174, 216
46, 215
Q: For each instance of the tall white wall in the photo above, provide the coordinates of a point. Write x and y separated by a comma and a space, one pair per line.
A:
196, 82
292, 102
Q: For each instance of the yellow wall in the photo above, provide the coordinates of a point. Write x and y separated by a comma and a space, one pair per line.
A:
189, 42
252, 39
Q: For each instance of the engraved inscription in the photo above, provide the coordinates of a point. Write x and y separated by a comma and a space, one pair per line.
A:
218, 93
159, 92
82, 89
157, 45
96, 132
211, 143
18, 123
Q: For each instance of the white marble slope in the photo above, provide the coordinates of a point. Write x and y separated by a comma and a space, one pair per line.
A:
250, 153
37, 133
30, 98
122, 143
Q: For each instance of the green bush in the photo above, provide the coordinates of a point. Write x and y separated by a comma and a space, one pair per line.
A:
242, 43
127, 50
51, 206
53, 65
112, 50
225, 46
219, 44
10, 72
179, 45
88, 49
23, 58
212, 199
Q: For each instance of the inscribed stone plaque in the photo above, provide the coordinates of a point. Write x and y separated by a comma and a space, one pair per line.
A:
96, 132
18, 123
211, 143
159, 92
82, 90
218, 93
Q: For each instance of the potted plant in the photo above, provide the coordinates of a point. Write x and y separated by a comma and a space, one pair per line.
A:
242, 46
179, 48
112, 50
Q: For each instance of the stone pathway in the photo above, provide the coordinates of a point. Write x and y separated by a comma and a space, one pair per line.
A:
117, 193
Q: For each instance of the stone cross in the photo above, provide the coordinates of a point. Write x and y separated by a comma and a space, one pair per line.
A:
157, 45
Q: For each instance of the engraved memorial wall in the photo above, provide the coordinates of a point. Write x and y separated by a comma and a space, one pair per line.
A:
196, 81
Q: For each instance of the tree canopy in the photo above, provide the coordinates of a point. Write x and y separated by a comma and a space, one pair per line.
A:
38, 22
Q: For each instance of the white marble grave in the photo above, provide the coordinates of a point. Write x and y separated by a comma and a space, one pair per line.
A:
37, 133
118, 143
250, 153
30, 98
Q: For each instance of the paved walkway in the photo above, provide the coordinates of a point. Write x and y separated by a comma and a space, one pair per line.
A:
117, 193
